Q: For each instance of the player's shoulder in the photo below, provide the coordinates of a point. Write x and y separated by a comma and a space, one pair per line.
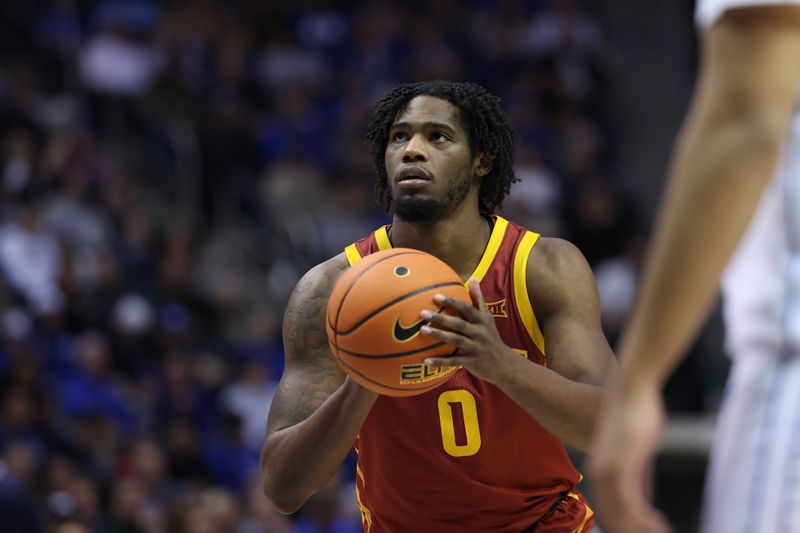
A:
554, 258
305, 310
557, 274
333, 267
321, 279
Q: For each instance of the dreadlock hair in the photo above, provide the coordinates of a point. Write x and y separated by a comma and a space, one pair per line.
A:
482, 119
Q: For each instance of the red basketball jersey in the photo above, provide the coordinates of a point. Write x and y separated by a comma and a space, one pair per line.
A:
464, 457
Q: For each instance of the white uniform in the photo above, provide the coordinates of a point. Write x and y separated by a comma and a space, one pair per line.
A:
753, 484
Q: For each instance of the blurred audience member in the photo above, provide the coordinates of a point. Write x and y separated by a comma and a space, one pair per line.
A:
92, 388
31, 258
249, 398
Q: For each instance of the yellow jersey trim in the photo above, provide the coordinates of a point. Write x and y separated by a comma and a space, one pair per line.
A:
586, 517
382, 239
495, 240
366, 515
521, 290
352, 254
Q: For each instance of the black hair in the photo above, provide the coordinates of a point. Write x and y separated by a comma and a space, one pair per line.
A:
483, 121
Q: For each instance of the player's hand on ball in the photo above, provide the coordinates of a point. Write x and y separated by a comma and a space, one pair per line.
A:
473, 332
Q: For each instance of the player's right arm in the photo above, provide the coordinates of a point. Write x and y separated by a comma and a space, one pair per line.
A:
725, 156
316, 413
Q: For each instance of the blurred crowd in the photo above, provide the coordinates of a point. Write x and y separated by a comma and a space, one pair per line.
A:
168, 169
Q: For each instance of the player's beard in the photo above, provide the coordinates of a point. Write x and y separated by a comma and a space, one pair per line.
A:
424, 208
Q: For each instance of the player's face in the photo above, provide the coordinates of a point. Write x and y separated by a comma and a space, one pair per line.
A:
429, 163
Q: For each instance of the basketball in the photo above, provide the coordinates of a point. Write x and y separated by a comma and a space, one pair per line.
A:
373, 320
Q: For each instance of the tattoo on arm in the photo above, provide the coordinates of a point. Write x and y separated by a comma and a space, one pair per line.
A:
312, 374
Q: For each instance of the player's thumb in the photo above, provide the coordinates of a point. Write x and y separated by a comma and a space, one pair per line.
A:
476, 294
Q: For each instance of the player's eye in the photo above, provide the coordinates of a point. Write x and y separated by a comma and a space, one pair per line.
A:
438, 136
399, 136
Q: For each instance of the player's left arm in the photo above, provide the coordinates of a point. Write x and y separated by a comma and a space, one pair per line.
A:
581, 364
566, 396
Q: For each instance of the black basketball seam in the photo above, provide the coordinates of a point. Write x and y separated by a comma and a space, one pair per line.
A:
388, 355
391, 303
335, 326
391, 387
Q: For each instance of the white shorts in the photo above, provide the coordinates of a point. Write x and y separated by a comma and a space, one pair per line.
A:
753, 483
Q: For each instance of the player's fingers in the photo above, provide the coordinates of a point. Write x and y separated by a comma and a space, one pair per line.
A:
456, 339
450, 322
636, 521
656, 522
476, 294
642, 515
624, 509
465, 309
445, 361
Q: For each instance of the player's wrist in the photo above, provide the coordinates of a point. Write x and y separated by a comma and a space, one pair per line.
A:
634, 381
508, 371
641, 373
351, 386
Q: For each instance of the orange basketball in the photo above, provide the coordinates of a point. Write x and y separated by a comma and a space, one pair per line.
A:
374, 325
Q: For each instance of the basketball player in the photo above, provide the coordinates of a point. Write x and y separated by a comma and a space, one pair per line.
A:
484, 451
725, 157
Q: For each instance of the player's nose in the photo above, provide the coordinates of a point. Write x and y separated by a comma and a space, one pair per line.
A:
415, 149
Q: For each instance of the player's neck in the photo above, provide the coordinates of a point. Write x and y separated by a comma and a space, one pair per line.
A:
459, 240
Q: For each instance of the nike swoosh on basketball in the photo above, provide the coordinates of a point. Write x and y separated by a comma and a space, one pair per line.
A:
406, 333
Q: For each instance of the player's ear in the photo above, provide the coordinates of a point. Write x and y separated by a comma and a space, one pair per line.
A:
482, 164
